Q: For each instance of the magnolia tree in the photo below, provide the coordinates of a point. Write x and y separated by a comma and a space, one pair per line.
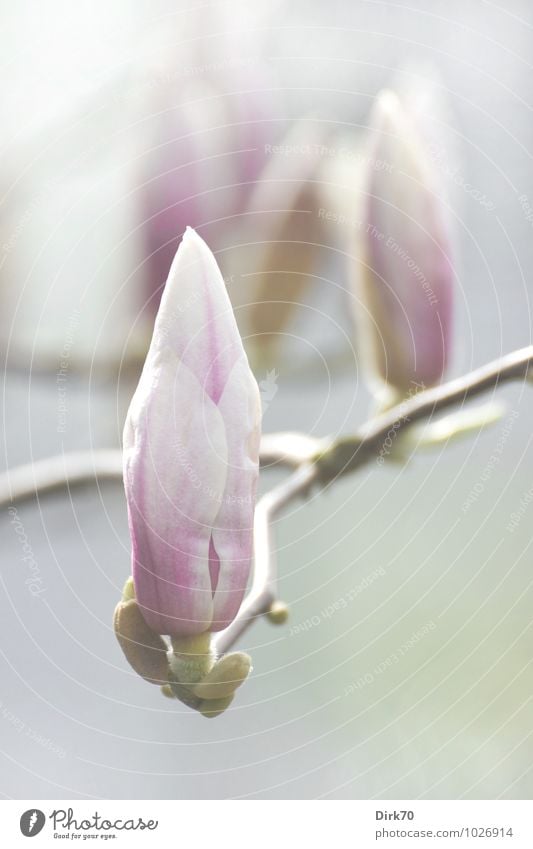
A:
192, 446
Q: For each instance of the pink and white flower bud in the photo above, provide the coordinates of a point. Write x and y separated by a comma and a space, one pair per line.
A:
191, 445
407, 276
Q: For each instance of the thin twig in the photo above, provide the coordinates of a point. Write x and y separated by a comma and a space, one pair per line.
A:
78, 468
264, 587
289, 449
347, 455
56, 473
313, 460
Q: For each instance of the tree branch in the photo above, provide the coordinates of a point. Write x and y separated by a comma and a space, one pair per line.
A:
346, 455
264, 586
314, 461
77, 468
56, 473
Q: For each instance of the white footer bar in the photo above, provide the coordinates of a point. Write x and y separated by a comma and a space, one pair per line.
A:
267, 824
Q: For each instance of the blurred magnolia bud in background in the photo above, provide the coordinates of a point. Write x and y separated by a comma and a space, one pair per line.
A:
286, 201
220, 159
405, 298
204, 151
102, 186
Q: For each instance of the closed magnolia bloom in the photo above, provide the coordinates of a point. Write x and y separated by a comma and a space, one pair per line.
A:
191, 444
291, 251
407, 277
205, 153
205, 137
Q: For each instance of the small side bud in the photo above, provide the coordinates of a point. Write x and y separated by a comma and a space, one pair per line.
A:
166, 690
145, 651
278, 613
128, 591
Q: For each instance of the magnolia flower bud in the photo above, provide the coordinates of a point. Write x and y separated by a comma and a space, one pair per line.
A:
407, 285
205, 151
191, 444
289, 255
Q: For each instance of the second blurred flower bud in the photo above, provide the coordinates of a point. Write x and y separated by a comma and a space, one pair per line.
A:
405, 301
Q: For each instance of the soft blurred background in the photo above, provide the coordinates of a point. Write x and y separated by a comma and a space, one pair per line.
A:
122, 123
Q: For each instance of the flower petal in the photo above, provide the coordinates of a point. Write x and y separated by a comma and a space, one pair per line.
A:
196, 318
240, 407
175, 465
